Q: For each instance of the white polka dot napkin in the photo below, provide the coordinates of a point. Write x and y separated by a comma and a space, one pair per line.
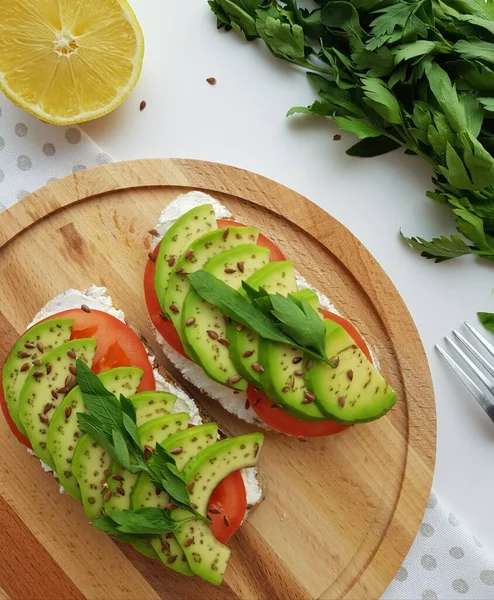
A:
445, 561
33, 153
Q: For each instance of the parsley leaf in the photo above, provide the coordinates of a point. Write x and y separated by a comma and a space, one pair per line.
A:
300, 321
138, 525
260, 314
439, 249
487, 320
114, 428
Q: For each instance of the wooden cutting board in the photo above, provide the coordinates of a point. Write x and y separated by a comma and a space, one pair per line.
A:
340, 513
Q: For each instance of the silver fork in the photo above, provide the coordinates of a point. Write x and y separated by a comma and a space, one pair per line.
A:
485, 400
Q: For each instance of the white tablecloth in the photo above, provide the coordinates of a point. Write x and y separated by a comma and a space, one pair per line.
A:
445, 562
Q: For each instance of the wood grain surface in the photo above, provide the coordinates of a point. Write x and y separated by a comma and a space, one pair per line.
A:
340, 513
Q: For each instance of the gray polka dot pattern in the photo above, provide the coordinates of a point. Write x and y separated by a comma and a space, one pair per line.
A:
73, 135
456, 552
453, 520
487, 577
21, 130
427, 530
103, 159
445, 562
24, 162
460, 586
49, 149
428, 562
33, 153
432, 502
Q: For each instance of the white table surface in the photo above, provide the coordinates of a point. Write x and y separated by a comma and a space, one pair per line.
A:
241, 121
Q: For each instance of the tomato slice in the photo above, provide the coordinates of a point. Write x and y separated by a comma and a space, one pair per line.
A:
262, 240
118, 346
162, 325
351, 330
165, 326
229, 503
282, 421
13, 427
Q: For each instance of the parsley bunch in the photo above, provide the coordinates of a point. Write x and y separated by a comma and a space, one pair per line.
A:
417, 74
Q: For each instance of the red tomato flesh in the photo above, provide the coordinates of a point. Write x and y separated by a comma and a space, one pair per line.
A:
228, 503
163, 326
118, 346
284, 422
13, 427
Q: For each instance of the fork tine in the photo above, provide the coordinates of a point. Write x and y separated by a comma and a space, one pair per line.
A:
487, 345
487, 366
472, 387
488, 384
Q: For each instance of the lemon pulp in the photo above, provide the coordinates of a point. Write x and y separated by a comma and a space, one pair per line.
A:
68, 61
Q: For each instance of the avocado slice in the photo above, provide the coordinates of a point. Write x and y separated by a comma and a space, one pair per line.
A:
353, 391
120, 481
31, 346
207, 557
184, 231
283, 380
207, 333
90, 466
120, 485
160, 429
64, 432
310, 297
150, 405
190, 441
155, 431
194, 259
46, 386
275, 277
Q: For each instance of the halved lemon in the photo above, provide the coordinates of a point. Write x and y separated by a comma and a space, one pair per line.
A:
68, 61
